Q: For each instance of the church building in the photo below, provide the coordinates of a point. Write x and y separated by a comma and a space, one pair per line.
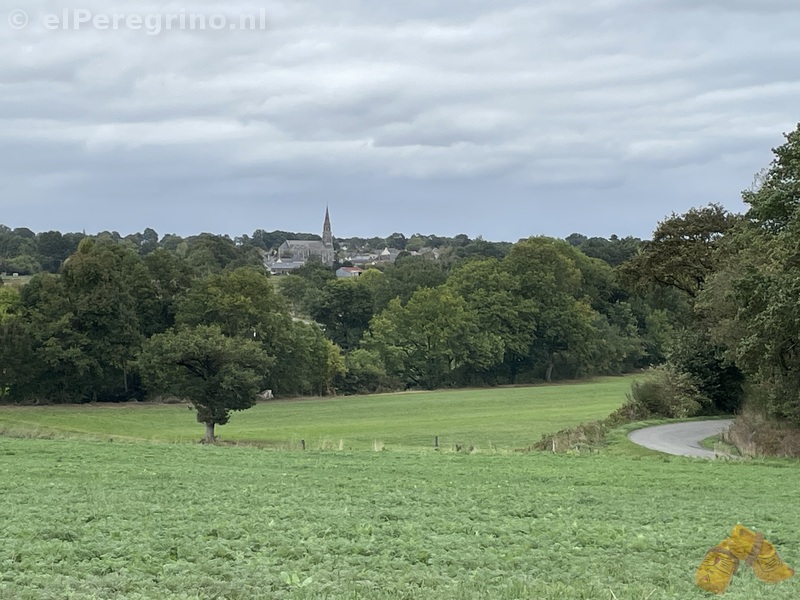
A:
300, 251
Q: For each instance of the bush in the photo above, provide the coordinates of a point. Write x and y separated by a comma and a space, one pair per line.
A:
668, 393
365, 374
721, 382
585, 436
754, 433
664, 393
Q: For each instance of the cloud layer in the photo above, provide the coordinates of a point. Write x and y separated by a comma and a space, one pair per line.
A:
499, 119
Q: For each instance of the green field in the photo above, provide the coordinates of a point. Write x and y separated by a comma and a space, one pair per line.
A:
110, 507
84, 519
497, 418
19, 281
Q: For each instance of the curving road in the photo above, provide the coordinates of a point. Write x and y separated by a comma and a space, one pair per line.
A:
680, 439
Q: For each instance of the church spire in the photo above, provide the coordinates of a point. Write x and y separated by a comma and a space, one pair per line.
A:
329, 256
327, 234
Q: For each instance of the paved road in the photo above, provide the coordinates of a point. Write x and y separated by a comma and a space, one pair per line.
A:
682, 439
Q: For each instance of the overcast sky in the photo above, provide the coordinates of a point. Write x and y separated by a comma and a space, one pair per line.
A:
501, 118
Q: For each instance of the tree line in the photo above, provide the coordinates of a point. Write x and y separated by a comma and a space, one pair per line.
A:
739, 275
539, 310
544, 311
26, 252
78, 336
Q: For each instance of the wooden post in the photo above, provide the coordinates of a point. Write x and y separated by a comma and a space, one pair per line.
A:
303, 444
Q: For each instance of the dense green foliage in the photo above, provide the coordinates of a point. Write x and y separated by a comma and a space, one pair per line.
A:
139, 521
684, 251
739, 276
470, 313
540, 312
667, 392
753, 303
77, 336
9, 300
25, 252
615, 251
216, 373
431, 337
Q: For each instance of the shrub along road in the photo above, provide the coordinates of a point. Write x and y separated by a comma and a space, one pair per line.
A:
680, 439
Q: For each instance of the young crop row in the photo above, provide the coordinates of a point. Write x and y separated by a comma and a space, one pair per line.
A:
135, 521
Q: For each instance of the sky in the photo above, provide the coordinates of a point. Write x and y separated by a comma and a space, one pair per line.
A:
502, 119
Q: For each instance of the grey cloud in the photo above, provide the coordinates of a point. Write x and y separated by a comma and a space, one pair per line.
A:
502, 105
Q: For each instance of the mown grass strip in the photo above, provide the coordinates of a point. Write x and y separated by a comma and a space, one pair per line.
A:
493, 418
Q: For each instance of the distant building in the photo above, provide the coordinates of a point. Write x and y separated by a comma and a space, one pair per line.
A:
349, 272
389, 255
281, 267
361, 260
293, 254
386, 256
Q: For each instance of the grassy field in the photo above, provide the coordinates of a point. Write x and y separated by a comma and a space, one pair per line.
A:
501, 418
18, 281
141, 517
100, 520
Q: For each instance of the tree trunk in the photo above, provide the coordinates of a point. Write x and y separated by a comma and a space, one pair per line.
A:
209, 439
548, 376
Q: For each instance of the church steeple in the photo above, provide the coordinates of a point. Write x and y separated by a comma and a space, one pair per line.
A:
327, 234
328, 255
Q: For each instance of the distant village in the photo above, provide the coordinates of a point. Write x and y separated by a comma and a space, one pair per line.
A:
293, 254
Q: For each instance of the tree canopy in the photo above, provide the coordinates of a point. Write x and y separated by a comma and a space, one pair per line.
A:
216, 373
449, 311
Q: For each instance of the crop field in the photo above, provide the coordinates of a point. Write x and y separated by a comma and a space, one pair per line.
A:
88, 519
113, 506
496, 418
